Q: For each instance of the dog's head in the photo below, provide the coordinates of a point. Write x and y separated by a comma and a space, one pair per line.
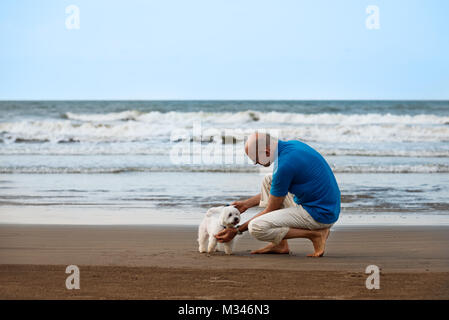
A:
229, 216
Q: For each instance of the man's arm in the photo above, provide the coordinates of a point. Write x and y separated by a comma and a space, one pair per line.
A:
244, 205
274, 203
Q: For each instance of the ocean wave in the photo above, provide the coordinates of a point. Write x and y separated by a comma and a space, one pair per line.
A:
113, 116
405, 168
161, 149
65, 130
256, 116
421, 168
263, 117
27, 131
387, 153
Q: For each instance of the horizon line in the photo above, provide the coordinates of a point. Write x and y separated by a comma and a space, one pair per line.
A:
180, 100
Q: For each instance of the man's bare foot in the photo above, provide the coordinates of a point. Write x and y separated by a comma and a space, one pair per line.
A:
281, 248
319, 242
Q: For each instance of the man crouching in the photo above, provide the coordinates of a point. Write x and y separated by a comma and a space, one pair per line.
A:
301, 197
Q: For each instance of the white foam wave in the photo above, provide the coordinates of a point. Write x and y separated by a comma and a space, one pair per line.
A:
113, 116
421, 168
143, 148
66, 130
73, 131
266, 117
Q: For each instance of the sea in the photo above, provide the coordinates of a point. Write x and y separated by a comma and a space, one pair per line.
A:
167, 162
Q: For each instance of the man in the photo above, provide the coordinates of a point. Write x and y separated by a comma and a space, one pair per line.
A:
301, 198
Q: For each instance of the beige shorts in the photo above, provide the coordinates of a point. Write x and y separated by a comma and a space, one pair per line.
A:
273, 226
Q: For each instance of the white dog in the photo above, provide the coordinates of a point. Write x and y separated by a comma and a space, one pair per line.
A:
217, 219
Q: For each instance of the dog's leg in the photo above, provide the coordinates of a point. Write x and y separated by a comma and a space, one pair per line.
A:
228, 247
212, 244
202, 241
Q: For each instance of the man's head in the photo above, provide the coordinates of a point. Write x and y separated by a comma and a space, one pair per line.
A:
261, 148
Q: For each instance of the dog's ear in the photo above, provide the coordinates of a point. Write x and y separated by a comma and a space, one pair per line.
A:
223, 215
214, 210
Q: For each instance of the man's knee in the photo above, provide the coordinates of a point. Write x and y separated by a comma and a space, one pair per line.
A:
257, 228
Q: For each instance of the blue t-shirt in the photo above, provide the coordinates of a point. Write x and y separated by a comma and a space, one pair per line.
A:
304, 172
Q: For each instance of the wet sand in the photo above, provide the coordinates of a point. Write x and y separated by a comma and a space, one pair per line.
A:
162, 262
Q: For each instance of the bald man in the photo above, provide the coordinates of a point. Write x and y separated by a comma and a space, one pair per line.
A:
301, 197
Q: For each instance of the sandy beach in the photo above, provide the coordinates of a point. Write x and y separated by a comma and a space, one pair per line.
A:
162, 262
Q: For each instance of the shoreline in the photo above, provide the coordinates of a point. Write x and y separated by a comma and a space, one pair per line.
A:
162, 262
116, 216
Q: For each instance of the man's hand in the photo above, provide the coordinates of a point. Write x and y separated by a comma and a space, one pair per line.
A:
226, 235
242, 206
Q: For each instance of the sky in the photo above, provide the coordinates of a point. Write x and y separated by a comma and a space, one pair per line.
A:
224, 49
